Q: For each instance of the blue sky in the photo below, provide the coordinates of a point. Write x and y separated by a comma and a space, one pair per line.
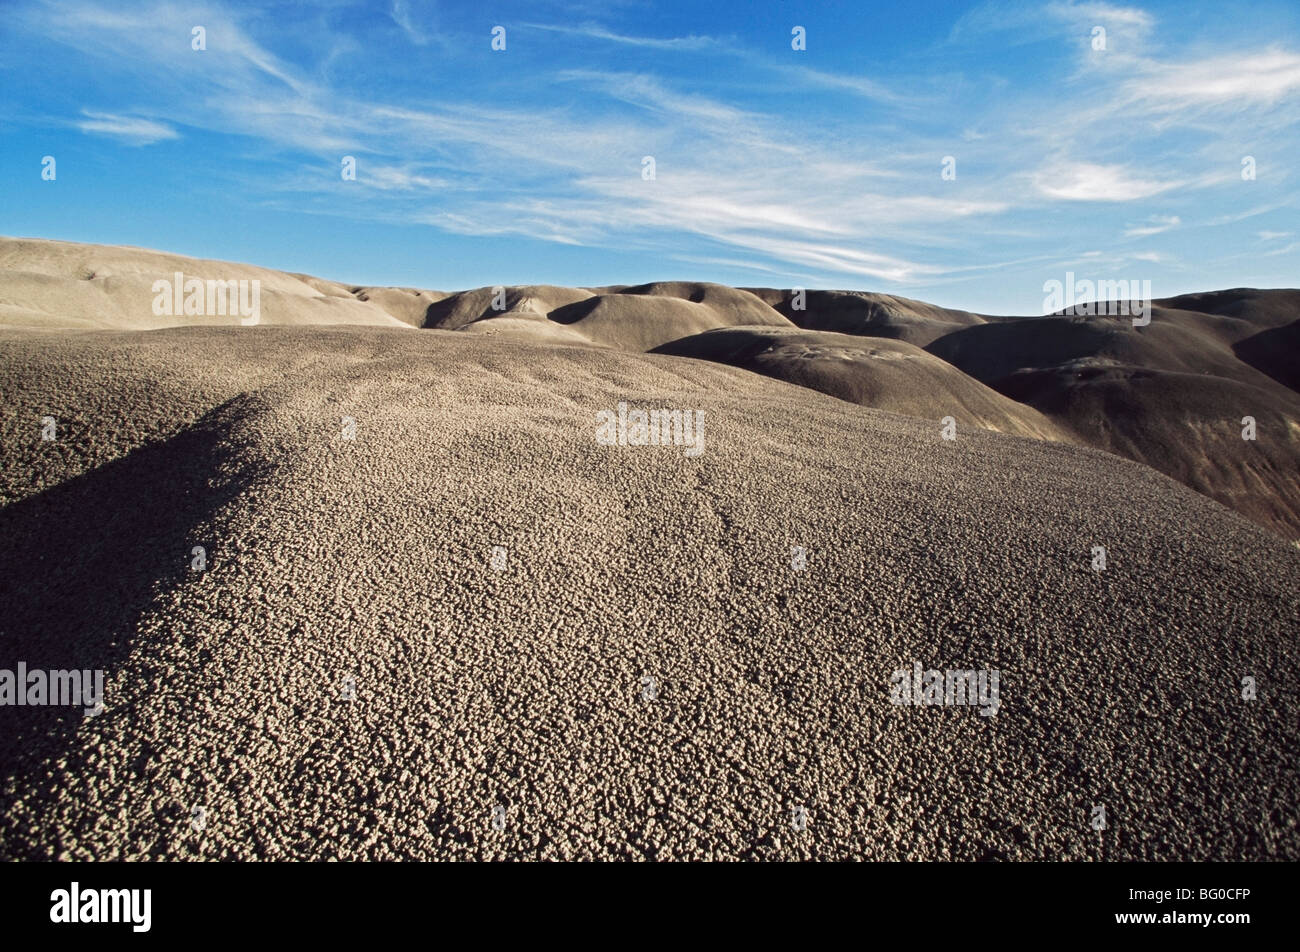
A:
773, 167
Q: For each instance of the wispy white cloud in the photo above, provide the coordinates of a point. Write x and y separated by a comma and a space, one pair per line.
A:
400, 179
854, 192
1252, 212
1288, 249
1103, 14
1152, 226
1092, 182
401, 15
131, 129
857, 85
593, 32
1027, 21
1258, 78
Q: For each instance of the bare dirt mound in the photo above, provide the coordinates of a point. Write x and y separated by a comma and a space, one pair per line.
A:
872, 372
1242, 344
1177, 394
647, 667
47, 285
408, 305
465, 307
868, 314
633, 319
735, 306
638, 322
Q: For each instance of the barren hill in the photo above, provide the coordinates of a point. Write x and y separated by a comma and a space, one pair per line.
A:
646, 674
435, 617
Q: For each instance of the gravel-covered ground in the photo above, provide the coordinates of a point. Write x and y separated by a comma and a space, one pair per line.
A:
649, 676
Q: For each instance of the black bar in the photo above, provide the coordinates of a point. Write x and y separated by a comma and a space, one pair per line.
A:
337, 902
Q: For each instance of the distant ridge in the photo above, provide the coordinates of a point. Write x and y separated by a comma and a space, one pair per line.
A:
1172, 395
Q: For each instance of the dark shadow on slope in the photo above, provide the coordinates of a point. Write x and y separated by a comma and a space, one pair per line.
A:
992, 352
82, 562
572, 313
438, 312
1275, 352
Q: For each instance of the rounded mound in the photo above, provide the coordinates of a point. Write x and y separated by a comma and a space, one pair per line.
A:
665, 656
872, 372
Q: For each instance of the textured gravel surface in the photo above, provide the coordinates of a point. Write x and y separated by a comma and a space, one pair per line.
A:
519, 696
